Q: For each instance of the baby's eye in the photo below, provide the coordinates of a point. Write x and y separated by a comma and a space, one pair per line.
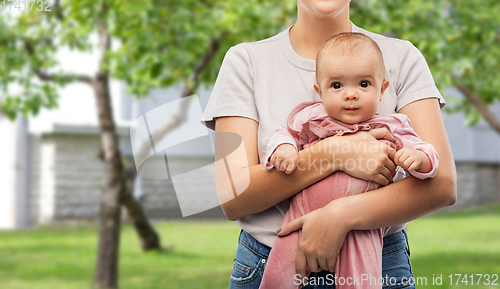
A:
364, 83
336, 85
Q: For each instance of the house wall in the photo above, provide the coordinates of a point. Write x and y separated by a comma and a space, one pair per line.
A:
67, 178
161, 201
477, 184
14, 173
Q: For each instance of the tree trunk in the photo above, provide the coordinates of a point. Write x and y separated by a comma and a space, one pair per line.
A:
479, 104
106, 274
115, 187
148, 237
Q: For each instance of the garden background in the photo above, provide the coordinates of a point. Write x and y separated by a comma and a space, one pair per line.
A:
75, 75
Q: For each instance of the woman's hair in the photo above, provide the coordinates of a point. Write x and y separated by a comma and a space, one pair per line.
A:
350, 43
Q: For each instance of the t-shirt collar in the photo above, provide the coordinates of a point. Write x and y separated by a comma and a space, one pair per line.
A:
293, 57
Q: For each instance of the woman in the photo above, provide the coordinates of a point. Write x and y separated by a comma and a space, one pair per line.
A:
257, 86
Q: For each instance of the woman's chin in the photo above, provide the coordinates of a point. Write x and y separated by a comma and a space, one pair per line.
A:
325, 8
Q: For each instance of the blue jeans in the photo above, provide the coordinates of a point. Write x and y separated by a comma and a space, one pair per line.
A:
251, 257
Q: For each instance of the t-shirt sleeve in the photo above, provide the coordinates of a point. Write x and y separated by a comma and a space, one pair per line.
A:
233, 92
414, 81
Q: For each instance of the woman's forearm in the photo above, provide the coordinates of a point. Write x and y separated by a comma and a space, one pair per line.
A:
398, 203
267, 188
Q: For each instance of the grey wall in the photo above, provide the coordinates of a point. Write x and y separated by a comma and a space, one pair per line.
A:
478, 143
67, 179
477, 184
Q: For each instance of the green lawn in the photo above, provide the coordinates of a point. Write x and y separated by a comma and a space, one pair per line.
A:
457, 243
63, 257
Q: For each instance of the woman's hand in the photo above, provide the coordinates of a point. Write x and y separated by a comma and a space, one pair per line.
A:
314, 253
363, 156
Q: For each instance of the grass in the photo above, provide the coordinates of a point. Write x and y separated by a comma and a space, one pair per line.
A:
63, 257
457, 243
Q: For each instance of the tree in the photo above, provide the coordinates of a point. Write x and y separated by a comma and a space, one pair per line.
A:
146, 43
460, 40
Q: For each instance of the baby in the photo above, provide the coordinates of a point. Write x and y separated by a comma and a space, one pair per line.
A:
350, 80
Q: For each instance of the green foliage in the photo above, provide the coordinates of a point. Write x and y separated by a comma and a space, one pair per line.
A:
163, 44
19, 90
460, 40
158, 43
154, 43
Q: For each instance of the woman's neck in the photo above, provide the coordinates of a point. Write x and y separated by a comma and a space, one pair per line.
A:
310, 32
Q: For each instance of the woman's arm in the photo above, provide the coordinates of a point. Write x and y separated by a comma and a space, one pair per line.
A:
268, 188
414, 198
324, 230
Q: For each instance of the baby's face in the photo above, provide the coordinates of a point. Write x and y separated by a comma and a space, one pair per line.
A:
350, 87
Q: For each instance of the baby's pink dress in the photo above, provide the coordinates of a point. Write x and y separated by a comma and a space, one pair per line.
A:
361, 253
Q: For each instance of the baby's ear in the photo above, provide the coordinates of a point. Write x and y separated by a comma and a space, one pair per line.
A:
318, 89
385, 84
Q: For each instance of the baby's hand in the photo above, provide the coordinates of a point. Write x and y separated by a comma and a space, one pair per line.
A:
410, 160
285, 158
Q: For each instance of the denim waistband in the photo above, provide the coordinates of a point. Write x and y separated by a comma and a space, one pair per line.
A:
249, 241
393, 242
396, 241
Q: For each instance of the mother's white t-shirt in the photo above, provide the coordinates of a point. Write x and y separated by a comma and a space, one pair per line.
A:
265, 80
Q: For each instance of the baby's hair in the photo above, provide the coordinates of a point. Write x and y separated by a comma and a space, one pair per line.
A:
349, 43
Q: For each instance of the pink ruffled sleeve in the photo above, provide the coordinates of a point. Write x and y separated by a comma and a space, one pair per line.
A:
288, 133
410, 139
281, 136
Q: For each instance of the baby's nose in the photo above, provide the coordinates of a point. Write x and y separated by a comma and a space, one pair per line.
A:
350, 94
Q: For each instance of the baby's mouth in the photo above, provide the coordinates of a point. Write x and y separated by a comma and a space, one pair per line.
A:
351, 109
